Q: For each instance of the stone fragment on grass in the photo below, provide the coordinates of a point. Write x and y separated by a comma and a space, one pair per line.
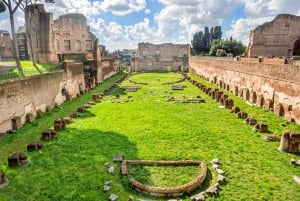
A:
118, 158
296, 179
220, 171
111, 170
198, 197
113, 197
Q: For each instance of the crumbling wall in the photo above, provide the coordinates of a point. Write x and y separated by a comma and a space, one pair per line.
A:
161, 57
267, 86
22, 96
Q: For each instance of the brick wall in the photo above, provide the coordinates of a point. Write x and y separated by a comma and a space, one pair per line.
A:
279, 83
19, 97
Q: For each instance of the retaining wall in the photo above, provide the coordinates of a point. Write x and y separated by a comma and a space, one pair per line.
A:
275, 87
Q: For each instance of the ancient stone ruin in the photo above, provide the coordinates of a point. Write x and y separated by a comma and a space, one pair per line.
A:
59, 124
34, 146
166, 191
48, 134
3, 179
290, 141
17, 159
280, 37
261, 127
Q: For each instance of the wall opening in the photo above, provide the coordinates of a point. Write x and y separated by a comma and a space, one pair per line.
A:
296, 50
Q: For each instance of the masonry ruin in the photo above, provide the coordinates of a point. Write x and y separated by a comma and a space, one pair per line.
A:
6, 47
161, 57
280, 37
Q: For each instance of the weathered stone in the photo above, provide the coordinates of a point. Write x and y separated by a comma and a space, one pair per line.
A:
272, 138
81, 109
68, 120
242, 115
296, 179
3, 179
130, 198
48, 134
261, 127
260, 100
29, 118
16, 123
34, 146
265, 41
117, 158
220, 171
269, 104
111, 170
235, 109
278, 109
17, 159
75, 115
250, 121
113, 197
39, 113
59, 124
228, 103
290, 141
212, 191
106, 188
221, 179
215, 161
198, 197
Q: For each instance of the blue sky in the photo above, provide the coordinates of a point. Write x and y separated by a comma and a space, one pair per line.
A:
122, 24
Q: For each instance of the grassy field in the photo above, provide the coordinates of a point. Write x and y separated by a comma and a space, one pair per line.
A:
147, 127
28, 69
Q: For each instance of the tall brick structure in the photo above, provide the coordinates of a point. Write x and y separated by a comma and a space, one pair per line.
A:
161, 57
6, 47
52, 39
280, 37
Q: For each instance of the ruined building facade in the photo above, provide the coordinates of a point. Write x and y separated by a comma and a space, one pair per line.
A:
6, 46
52, 39
280, 37
161, 57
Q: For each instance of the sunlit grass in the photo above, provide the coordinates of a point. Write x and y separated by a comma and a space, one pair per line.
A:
148, 127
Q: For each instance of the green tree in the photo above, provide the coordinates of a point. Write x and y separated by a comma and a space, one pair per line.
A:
206, 40
229, 46
197, 43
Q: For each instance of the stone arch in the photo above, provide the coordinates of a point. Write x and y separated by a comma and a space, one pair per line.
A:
296, 49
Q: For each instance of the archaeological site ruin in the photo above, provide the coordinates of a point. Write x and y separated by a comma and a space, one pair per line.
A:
277, 38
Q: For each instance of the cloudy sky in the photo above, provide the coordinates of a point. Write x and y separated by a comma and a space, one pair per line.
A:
121, 24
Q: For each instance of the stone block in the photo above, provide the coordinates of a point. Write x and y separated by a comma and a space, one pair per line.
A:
235, 109
290, 141
48, 134
228, 103
59, 124
242, 115
250, 121
17, 159
261, 127
253, 97
34, 146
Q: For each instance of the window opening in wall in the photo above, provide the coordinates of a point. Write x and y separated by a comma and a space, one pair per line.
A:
67, 45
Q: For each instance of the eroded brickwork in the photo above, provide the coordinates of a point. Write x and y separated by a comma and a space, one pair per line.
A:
272, 84
280, 37
161, 57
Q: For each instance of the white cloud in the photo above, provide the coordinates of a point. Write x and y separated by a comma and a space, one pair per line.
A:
147, 11
240, 29
122, 7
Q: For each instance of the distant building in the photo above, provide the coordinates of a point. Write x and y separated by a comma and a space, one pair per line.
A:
161, 57
280, 37
6, 45
22, 43
55, 39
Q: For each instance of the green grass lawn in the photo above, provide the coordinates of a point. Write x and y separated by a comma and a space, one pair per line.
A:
147, 127
28, 69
